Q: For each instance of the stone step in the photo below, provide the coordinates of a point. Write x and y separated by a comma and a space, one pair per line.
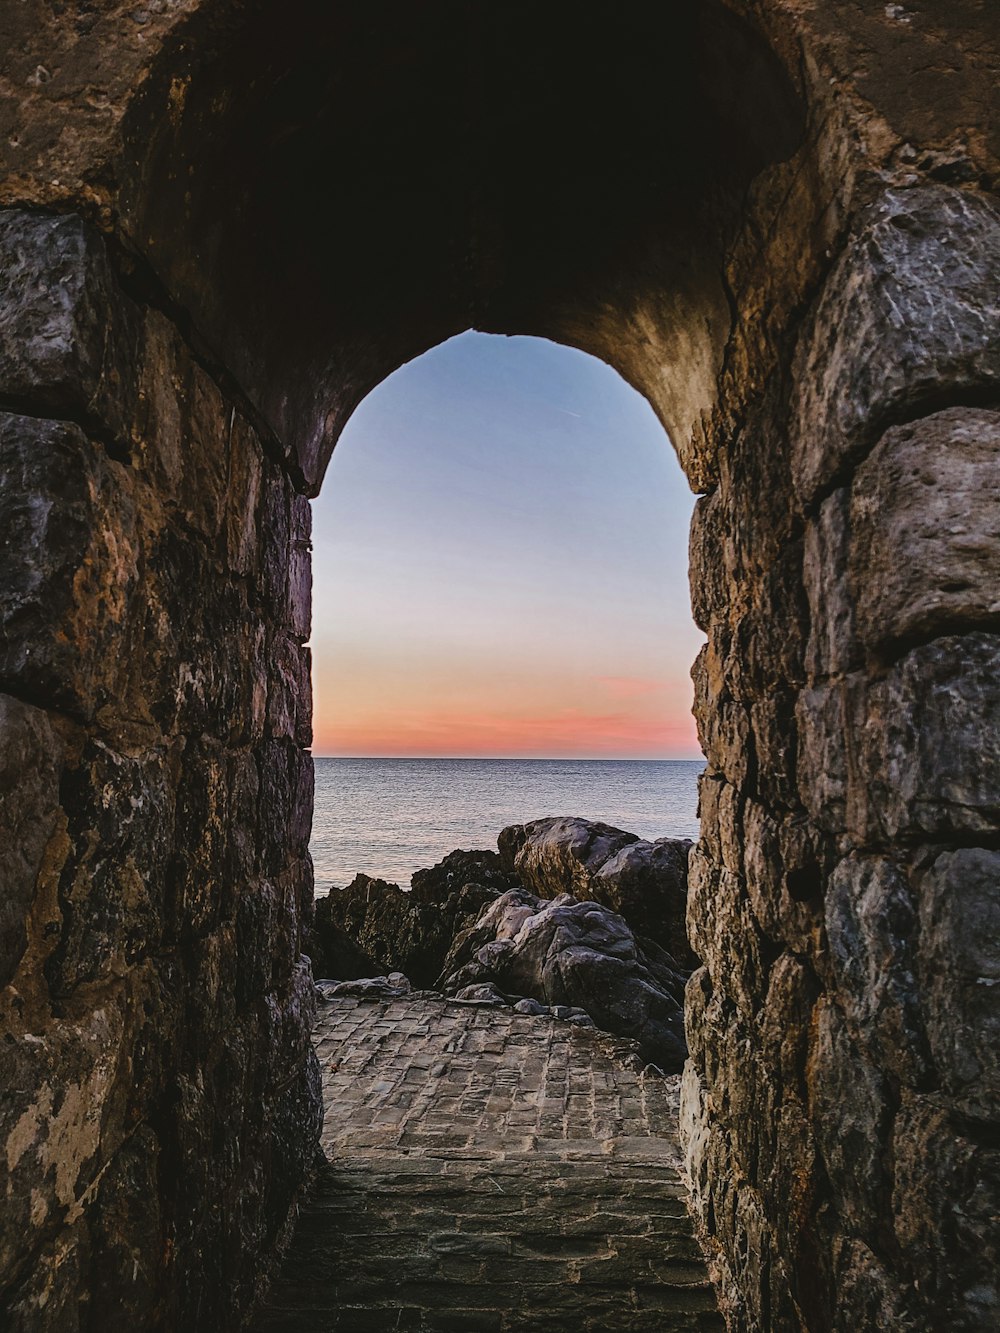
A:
507, 1231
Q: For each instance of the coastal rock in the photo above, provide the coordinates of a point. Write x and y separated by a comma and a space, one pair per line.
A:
579, 955
334, 953
483, 993
645, 882
393, 987
409, 932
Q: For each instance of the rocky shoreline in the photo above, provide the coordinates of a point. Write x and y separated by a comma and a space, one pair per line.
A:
569, 918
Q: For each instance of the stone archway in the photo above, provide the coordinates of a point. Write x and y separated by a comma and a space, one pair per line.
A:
221, 225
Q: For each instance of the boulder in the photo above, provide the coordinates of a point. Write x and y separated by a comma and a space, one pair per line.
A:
410, 932
580, 955
645, 882
393, 987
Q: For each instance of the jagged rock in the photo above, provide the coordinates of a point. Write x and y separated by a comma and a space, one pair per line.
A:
579, 955
413, 931
459, 869
334, 953
645, 882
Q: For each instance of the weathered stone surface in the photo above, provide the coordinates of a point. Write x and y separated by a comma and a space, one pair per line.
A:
925, 529
579, 954
945, 1205
959, 968
30, 761
910, 315
833, 647
851, 1113
68, 563
645, 882
67, 335
871, 926
929, 741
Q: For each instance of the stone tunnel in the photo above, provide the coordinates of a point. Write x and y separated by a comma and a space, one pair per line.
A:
222, 222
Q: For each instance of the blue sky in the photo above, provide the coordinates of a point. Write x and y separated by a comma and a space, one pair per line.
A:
500, 564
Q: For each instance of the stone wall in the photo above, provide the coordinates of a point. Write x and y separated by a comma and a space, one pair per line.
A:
159, 1101
778, 220
841, 1105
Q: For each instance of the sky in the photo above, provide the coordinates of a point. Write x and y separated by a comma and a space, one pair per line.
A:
500, 565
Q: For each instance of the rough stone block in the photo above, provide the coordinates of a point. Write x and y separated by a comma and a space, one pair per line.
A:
113, 888
125, 1238
286, 798
289, 699
47, 1299
68, 337
185, 430
723, 932
275, 537
724, 732
871, 927
945, 1206
960, 973
868, 1295
58, 1081
67, 563
925, 529
909, 314
850, 1112
706, 562
243, 498
783, 875
928, 739
832, 648
821, 719
299, 615
30, 761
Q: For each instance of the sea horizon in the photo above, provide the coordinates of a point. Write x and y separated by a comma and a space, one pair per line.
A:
389, 816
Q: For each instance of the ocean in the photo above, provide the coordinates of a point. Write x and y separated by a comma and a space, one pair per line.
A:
389, 817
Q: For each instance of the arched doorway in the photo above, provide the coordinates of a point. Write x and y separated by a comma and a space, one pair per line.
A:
256, 217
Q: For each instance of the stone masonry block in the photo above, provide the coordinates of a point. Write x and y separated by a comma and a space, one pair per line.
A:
945, 1205
850, 1113
925, 523
832, 647
821, 715
300, 568
30, 757
68, 555
910, 314
960, 973
927, 741
114, 885
871, 926
68, 337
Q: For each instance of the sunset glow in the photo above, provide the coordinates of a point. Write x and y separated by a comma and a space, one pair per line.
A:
500, 565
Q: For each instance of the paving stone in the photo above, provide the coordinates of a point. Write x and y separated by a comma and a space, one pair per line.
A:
489, 1171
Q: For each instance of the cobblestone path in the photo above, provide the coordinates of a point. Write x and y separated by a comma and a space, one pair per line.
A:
489, 1171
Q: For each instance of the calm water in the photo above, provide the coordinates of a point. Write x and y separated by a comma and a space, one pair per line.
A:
389, 817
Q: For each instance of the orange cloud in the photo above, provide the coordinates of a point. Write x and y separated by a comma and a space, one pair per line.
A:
570, 732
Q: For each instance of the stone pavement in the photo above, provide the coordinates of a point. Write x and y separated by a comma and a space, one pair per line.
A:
487, 1170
